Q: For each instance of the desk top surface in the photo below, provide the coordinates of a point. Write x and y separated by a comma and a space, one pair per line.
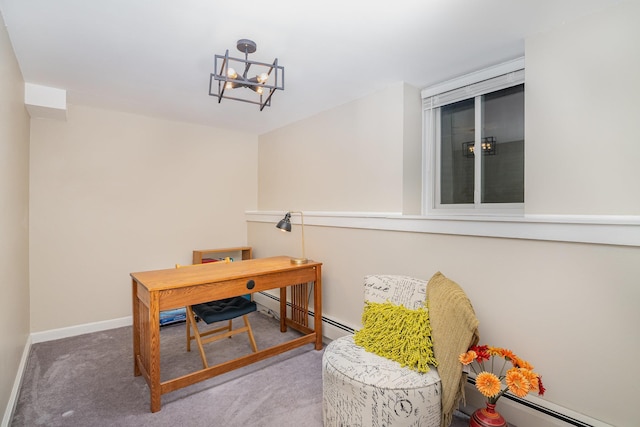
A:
197, 274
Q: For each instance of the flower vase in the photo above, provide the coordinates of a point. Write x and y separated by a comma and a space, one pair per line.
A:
487, 417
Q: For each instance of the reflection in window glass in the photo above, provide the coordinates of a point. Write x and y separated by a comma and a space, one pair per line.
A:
503, 146
456, 169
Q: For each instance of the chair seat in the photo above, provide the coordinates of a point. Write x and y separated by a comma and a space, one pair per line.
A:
364, 389
225, 309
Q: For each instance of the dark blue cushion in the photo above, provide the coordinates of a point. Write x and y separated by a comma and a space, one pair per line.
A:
225, 309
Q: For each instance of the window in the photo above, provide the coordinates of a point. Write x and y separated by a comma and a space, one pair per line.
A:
474, 143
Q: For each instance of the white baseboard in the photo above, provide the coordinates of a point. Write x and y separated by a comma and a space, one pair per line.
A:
72, 331
15, 390
542, 413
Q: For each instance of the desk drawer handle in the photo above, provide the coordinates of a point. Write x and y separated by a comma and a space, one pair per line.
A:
251, 284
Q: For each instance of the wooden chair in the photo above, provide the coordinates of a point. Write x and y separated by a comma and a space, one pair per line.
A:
224, 310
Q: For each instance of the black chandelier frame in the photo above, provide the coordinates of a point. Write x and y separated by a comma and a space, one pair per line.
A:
227, 84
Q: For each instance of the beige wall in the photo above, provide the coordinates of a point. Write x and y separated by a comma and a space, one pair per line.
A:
114, 193
412, 152
569, 308
14, 218
582, 94
345, 159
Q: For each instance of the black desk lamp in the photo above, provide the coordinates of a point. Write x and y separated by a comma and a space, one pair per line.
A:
285, 225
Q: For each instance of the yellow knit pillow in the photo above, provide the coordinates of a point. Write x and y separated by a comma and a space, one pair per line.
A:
397, 333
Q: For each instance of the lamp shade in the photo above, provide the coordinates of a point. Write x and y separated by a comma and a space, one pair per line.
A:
285, 223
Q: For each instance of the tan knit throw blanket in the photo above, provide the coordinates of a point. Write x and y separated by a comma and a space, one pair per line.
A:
454, 328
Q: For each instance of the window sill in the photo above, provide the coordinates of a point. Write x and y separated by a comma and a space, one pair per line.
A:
605, 230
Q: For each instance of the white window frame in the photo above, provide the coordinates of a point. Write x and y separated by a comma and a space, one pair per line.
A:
469, 86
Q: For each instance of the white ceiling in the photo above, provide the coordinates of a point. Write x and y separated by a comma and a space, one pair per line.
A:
154, 57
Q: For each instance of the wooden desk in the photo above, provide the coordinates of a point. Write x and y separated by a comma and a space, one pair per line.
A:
158, 290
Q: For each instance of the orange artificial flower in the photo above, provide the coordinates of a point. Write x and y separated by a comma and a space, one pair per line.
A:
532, 377
488, 384
524, 364
468, 357
518, 384
520, 379
508, 354
494, 351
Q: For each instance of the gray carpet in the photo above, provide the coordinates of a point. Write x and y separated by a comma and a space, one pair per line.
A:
88, 381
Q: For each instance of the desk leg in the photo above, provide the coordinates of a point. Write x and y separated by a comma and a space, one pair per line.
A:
136, 328
317, 307
283, 309
154, 352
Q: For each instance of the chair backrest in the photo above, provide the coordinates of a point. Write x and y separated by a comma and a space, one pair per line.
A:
400, 290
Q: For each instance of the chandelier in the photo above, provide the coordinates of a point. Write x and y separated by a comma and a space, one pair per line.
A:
234, 74
487, 145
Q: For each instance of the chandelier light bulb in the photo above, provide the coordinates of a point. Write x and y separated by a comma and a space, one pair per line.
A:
263, 77
231, 73
259, 90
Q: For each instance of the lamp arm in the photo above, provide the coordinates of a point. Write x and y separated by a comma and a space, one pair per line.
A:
302, 229
304, 256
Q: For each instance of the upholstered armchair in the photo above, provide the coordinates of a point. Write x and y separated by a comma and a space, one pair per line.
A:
361, 388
